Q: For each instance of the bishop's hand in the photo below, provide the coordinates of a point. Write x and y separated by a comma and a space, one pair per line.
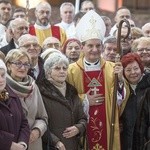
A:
118, 69
95, 99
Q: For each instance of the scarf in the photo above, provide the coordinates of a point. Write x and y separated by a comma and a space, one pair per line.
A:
60, 86
24, 88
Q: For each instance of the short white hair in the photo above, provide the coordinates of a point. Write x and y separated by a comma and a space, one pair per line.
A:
26, 37
145, 25
86, 2
14, 23
54, 59
48, 52
43, 4
48, 39
66, 4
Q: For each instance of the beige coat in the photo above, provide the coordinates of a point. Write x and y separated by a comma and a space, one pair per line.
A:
36, 114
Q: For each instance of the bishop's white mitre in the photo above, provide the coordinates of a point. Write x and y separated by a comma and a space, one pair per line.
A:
90, 26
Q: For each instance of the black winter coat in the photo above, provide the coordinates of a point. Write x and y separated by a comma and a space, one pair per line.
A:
8, 47
63, 112
135, 119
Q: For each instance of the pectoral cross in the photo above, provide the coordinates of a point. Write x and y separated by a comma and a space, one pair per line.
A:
95, 90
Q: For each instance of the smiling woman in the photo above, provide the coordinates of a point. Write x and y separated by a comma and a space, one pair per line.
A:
18, 64
134, 119
14, 129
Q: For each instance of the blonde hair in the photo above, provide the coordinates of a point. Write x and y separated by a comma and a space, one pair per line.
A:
2, 56
145, 40
16, 54
137, 32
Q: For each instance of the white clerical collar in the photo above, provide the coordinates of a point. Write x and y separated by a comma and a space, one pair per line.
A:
42, 27
66, 25
88, 66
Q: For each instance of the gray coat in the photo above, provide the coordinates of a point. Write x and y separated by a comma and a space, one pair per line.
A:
63, 112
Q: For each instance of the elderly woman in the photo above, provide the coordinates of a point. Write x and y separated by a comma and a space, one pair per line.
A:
135, 34
71, 49
18, 64
135, 118
142, 47
14, 128
67, 121
47, 52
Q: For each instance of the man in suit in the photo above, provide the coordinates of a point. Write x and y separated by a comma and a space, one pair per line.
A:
17, 28
29, 43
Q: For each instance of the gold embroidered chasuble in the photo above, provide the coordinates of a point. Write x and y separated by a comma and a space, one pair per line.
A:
76, 79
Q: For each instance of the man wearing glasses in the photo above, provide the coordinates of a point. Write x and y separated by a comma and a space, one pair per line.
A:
29, 43
51, 42
42, 28
17, 28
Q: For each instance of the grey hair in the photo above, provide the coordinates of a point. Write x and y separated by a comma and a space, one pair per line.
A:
145, 40
55, 59
110, 39
43, 4
66, 4
86, 2
48, 39
14, 23
26, 37
48, 52
145, 25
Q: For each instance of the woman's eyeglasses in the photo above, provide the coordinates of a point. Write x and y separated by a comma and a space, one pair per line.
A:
60, 68
143, 49
20, 64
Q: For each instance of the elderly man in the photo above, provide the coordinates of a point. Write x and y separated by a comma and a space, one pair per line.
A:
29, 43
67, 13
94, 80
17, 28
51, 42
146, 29
42, 28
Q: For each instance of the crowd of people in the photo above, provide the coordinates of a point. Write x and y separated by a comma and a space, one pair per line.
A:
62, 86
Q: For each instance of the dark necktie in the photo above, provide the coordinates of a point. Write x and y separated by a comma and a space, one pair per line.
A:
32, 73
